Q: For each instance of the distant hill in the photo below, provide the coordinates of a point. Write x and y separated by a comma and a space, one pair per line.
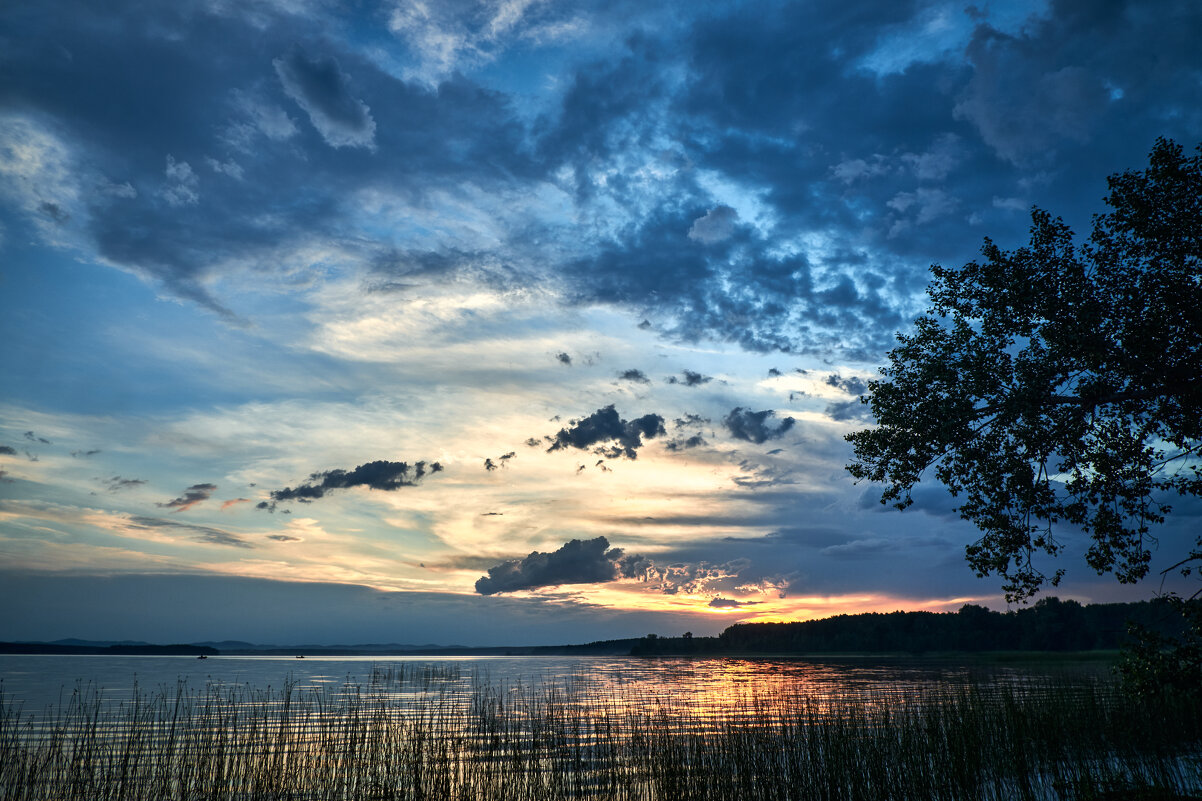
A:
239, 648
1049, 625
81, 647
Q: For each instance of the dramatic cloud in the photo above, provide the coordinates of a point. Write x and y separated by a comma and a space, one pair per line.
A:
85, 454
319, 86
690, 379
438, 223
205, 534
753, 426
378, 475
233, 502
577, 562
193, 495
624, 437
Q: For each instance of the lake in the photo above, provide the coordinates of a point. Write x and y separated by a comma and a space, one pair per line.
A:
604, 728
37, 682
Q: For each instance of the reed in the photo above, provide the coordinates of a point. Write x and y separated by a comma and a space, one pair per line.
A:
427, 733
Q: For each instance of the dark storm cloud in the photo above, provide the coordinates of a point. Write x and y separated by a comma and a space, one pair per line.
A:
193, 163
734, 285
896, 169
564, 358
753, 426
206, 534
690, 379
656, 266
196, 164
378, 475
197, 493
577, 562
1080, 76
319, 86
283, 538
614, 436
634, 375
8, 450
32, 437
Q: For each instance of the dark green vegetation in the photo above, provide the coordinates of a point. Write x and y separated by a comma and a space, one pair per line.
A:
422, 733
1058, 384
1049, 625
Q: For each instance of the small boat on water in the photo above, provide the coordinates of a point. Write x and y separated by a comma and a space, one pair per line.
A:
202, 656
300, 656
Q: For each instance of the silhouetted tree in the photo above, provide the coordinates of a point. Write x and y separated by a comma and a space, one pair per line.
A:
1061, 383
1058, 383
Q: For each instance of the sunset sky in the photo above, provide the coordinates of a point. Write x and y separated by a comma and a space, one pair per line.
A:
351, 322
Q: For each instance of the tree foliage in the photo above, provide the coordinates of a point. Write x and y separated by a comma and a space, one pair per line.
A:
1059, 383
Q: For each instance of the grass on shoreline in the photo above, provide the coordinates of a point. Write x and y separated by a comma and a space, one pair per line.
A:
416, 733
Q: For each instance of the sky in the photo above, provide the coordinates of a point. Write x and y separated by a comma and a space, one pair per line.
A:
516, 321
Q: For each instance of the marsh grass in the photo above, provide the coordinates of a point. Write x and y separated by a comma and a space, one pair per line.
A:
423, 733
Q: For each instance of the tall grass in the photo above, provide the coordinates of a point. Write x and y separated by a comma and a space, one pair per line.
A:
424, 734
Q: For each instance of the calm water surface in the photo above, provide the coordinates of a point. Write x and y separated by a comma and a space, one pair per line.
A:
701, 686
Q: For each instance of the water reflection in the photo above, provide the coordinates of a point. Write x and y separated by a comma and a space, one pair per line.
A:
578, 728
700, 688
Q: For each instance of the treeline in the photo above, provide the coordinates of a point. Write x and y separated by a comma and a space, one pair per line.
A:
1049, 625
143, 649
